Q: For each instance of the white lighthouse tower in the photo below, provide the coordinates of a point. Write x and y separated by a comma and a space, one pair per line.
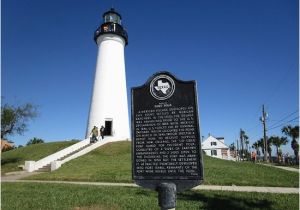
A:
109, 107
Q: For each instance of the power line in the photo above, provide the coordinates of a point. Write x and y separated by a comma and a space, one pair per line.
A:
252, 128
283, 123
284, 118
274, 126
280, 83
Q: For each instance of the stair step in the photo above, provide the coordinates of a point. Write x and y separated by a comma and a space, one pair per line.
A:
47, 167
72, 153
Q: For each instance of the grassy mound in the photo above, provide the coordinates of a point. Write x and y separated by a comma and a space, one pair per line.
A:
109, 163
112, 163
11, 159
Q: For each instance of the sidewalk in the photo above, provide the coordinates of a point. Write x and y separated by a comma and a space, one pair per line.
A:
280, 190
281, 167
11, 176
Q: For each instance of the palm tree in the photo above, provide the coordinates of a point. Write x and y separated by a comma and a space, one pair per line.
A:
277, 142
293, 132
261, 144
232, 147
269, 148
243, 138
256, 146
246, 139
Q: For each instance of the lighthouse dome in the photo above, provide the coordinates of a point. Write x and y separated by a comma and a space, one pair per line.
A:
111, 25
112, 16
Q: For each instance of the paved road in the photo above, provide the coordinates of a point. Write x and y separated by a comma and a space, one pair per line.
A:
200, 187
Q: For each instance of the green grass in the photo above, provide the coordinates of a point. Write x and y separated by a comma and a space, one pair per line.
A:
283, 165
112, 163
289, 166
75, 197
222, 172
11, 159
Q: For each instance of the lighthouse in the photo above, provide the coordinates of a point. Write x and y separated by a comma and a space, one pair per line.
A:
109, 106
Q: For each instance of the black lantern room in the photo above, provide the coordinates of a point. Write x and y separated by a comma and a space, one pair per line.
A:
112, 25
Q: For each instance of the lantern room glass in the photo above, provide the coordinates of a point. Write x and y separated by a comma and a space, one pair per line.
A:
112, 17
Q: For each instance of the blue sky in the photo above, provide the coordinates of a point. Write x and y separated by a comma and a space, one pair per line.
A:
241, 53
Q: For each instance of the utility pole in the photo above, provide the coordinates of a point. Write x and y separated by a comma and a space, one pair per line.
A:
242, 144
237, 152
263, 120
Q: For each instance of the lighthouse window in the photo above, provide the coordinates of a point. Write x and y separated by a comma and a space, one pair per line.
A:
111, 17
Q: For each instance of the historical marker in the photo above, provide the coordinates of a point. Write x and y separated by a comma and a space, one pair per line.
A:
166, 140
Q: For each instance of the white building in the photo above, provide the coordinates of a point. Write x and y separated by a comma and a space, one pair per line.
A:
109, 106
216, 147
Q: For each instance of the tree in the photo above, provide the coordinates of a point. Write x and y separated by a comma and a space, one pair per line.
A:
243, 139
246, 139
232, 147
256, 146
293, 132
261, 144
269, 148
35, 141
277, 142
14, 120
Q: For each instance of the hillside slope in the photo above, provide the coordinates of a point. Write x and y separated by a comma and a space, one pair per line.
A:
11, 159
112, 163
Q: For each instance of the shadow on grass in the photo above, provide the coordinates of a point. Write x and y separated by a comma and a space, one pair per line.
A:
221, 201
9, 160
143, 192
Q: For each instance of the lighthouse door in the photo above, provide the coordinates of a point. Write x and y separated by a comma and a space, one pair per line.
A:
108, 128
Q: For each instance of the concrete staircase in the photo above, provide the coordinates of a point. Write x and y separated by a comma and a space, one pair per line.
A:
54, 161
72, 153
47, 167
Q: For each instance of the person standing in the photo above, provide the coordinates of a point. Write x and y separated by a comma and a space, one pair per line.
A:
253, 156
95, 134
102, 129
